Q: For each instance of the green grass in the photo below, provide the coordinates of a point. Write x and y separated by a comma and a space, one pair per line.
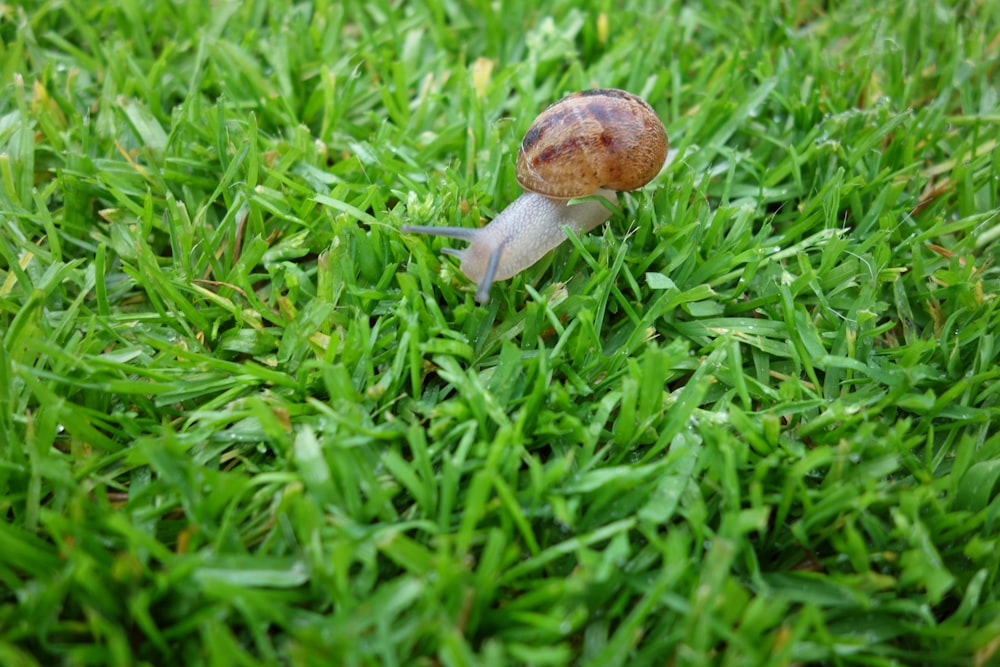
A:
755, 419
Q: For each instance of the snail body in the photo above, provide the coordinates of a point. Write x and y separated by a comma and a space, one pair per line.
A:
594, 142
529, 227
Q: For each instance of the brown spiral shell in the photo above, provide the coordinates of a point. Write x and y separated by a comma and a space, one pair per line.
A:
597, 138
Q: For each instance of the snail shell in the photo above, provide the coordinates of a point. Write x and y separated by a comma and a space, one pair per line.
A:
600, 138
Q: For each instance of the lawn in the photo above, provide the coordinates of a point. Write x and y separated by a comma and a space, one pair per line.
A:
754, 419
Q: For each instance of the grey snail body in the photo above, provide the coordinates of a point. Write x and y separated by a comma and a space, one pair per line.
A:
594, 142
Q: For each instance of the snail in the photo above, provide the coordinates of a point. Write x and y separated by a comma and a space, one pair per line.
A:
594, 142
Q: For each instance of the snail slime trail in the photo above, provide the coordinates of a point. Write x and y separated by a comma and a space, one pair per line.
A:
595, 142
